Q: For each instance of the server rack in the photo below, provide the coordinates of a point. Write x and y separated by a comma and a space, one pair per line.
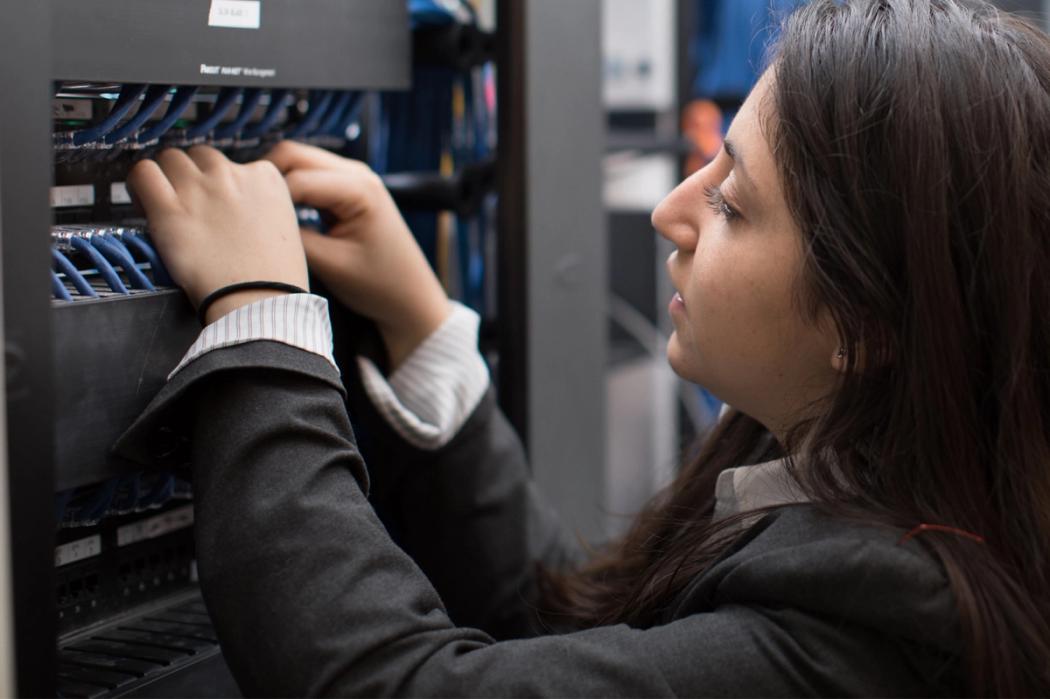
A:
41, 369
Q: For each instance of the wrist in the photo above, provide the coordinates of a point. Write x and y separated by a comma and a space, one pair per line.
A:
231, 302
402, 338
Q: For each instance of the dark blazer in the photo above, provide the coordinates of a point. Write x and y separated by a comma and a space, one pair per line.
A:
311, 596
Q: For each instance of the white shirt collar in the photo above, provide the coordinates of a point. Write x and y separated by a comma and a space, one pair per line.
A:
747, 488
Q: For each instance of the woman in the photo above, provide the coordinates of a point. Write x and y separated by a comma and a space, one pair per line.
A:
860, 273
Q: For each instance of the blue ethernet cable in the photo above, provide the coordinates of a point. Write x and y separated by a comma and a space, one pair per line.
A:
150, 104
89, 505
119, 256
66, 267
319, 104
428, 13
180, 101
269, 118
160, 274
105, 269
58, 289
334, 119
224, 102
61, 501
129, 96
249, 102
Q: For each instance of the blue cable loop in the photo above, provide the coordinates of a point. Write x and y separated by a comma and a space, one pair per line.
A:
179, 102
129, 96
119, 256
150, 104
66, 267
105, 269
334, 117
270, 117
319, 103
138, 244
58, 289
112, 238
225, 101
249, 102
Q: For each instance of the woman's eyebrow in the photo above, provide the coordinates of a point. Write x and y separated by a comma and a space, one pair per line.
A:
738, 165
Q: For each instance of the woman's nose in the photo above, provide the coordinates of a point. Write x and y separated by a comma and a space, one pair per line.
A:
676, 217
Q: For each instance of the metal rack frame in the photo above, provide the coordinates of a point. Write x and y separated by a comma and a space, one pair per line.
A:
551, 332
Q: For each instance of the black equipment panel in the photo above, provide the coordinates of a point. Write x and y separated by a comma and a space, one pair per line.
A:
205, 42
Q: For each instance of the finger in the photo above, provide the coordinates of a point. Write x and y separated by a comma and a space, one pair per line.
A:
150, 187
178, 167
207, 159
290, 155
324, 255
345, 194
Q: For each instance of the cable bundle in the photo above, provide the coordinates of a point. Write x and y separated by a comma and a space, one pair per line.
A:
444, 125
91, 261
135, 492
138, 120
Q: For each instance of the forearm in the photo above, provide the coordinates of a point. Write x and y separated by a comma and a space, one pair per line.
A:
298, 573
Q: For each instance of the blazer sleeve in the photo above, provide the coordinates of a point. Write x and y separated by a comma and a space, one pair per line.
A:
468, 513
310, 596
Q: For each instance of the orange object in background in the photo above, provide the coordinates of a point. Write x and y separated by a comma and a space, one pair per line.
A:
702, 122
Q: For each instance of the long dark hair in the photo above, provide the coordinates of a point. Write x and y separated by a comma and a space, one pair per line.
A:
912, 139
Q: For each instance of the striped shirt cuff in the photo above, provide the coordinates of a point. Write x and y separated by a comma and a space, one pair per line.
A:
299, 320
429, 397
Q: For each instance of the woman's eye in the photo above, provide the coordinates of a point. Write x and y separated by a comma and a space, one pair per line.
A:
717, 203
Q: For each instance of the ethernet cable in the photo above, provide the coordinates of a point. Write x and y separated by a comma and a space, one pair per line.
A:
105, 269
152, 100
269, 118
224, 102
134, 242
128, 98
320, 101
58, 289
67, 268
334, 119
180, 100
249, 102
119, 256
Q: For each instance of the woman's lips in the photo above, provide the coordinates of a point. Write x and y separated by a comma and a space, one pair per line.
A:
677, 303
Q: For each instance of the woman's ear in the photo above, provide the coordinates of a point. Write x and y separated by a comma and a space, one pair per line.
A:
839, 359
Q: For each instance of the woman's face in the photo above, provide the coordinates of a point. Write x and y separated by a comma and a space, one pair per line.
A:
738, 257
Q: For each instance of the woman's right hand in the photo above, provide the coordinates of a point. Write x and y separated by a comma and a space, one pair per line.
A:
368, 259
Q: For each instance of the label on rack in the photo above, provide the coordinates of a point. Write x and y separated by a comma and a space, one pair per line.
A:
179, 518
236, 14
71, 108
118, 193
78, 550
73, 195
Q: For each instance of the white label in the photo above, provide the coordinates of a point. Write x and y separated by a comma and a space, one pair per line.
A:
78, 550
73, 195
118, 193
179, 518
71, 109
237, 14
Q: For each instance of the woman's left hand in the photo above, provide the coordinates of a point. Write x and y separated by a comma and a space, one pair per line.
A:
216, 223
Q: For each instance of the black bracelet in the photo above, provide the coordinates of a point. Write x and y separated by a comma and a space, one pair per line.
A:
202, 309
